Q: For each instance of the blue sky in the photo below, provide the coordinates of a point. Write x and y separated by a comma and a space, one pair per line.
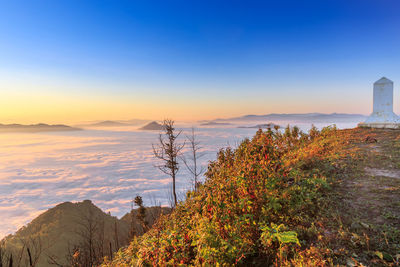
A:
193, 59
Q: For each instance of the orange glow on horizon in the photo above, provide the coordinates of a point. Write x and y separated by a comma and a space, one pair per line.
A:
31, 102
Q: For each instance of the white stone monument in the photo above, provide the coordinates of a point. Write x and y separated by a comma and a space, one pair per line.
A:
382, 115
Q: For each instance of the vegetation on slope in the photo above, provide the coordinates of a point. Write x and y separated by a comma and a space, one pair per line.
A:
260, 204
74, 234
284, 199
53, 236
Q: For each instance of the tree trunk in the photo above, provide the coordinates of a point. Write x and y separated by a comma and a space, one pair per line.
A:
173, 190
30, 258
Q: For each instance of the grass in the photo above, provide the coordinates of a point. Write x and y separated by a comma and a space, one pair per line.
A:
367, 203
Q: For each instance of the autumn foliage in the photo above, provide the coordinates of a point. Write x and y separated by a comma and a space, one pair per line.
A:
257, 206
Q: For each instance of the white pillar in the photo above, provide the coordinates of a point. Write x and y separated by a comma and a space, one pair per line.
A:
383, 103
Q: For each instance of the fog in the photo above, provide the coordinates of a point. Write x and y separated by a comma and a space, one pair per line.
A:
108, 166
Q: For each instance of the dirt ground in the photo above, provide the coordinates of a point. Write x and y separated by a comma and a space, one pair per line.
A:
368, 199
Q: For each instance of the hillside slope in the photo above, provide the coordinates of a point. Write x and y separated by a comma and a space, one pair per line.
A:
259, 204
292, 199
55, 235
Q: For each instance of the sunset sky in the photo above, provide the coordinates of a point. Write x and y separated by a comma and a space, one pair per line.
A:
73, 61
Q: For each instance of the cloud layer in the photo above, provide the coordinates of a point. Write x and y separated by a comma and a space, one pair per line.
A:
109, 167
38, 171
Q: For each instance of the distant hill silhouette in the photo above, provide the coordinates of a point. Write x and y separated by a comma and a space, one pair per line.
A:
61, 228
152, 126
214, 123
298, 117
110, 123
260, 126
135, 121
33, 128
106, 124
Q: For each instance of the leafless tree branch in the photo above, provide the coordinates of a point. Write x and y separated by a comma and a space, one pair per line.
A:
192, 162
167, 151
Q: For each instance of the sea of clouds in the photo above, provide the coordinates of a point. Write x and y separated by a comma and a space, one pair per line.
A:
108, 166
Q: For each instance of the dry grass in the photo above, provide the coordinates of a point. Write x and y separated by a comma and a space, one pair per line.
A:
367, 200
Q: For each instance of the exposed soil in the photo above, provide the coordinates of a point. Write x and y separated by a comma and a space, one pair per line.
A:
382, 172
369, 199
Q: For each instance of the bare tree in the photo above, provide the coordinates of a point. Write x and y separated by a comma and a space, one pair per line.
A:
53, 260
2, 255
191, 162
156, 211
95, 237
21, 254
168, 150
116, 235
34, 249
5, 257
11, 261
90, 251
111, 252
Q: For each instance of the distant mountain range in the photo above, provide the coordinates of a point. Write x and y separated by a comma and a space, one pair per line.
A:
256, 119
52, 235
33, 128
297, 117
109, 123
106, 124
260, 126
214, 123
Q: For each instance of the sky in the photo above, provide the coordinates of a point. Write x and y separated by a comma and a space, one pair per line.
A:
70, 61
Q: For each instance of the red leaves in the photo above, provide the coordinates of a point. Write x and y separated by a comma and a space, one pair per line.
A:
245, 188
209, 208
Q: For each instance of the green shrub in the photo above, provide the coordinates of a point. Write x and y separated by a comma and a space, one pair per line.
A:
255, 205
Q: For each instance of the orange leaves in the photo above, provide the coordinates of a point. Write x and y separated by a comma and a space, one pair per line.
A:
272, 178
